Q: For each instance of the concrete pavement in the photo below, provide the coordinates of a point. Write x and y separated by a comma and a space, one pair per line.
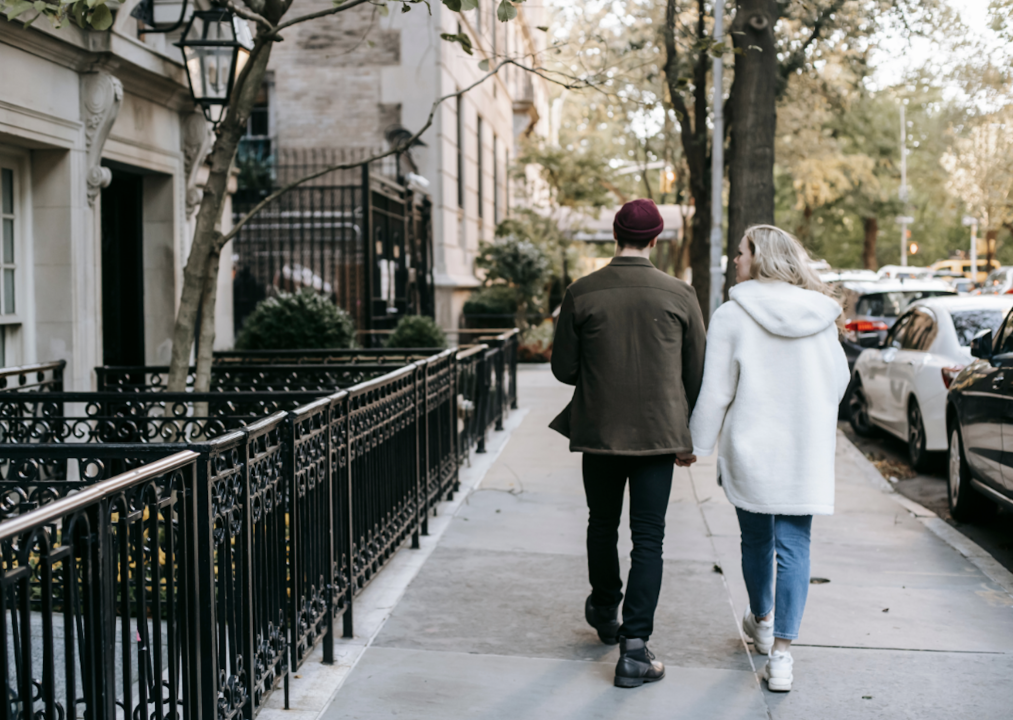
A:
492, 625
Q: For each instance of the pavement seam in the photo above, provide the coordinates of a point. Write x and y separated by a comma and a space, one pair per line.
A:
966, 547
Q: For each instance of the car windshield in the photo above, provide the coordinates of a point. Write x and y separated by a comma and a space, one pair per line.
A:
969, 323
892, 304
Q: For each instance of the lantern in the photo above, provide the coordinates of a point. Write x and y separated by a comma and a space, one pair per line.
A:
216, 45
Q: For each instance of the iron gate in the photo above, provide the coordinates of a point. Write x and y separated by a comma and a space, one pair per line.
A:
360, 237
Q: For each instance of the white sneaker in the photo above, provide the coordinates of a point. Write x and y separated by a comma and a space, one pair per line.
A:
777, 672
760, 632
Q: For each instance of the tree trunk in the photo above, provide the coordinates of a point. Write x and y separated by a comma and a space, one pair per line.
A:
210, 214
869, 246
753, 110
990, 238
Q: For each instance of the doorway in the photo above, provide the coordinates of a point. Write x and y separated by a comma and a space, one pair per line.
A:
123, 270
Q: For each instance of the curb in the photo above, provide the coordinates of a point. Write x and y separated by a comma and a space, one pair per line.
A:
939, 527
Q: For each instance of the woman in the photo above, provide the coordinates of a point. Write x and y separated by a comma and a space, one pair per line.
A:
774, 376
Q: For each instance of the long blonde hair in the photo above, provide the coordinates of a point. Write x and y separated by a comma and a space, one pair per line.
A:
778, 255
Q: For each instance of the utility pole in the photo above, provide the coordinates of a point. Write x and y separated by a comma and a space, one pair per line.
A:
903, 219
972, 222
717, 168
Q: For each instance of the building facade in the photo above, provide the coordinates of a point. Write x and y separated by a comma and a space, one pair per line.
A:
357, 79
101, 153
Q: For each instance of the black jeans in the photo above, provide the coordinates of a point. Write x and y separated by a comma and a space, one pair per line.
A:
650, 485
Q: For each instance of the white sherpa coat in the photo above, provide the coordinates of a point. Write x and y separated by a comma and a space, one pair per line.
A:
773, 377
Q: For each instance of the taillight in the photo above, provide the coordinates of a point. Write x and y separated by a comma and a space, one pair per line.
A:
950, 373
866, 326
1009, 292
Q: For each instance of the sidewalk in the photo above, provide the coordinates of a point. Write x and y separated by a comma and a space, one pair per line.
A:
492, 626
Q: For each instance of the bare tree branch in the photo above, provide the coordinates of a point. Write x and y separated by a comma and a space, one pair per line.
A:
797, 59
221, 240
245, 12
318, 14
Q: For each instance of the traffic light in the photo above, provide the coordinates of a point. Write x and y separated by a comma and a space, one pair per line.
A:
913, 247
667, 181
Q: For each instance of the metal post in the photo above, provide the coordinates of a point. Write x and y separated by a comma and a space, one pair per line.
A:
903, 186
973, 223
717, 169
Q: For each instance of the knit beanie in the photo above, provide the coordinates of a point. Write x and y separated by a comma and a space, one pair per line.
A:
638, 222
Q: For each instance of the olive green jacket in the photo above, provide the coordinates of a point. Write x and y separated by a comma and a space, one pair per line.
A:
631, 339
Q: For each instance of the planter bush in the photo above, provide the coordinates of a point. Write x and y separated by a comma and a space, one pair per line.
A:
492, 307
417, 331
295, 322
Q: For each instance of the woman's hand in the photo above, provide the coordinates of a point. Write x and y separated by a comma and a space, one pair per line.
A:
684, 459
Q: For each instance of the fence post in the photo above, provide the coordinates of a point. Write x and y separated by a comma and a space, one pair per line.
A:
481, 399
513, 370
205, 630
331, 557
421, 511
500, 392
347, 626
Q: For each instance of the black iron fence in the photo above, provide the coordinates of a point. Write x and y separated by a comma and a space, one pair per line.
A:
243, 528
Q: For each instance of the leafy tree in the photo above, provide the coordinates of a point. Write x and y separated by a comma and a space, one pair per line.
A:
295, 322
518, 264
417, 331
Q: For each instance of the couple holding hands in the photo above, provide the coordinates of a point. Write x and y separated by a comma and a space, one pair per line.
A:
655, 389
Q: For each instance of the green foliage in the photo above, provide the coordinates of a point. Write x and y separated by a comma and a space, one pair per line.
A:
295, 322
87, 14
575, 177
417, 331
255, 169
516, 262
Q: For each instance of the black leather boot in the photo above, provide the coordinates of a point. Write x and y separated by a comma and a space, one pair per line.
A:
636, 664
604, 620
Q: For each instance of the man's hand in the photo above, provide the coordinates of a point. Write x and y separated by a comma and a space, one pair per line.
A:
684, 459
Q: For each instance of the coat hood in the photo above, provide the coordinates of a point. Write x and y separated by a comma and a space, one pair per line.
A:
784, 309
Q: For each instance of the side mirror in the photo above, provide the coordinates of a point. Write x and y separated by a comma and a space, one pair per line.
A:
981, 345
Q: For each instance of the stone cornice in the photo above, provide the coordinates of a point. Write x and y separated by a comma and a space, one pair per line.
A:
144, 72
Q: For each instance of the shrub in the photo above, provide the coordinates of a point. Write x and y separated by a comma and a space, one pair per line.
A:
493, 300
295, 322
417, 331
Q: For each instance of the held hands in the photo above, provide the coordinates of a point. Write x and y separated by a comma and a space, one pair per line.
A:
684, 459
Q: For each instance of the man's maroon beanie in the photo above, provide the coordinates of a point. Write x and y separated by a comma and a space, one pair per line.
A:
638, 222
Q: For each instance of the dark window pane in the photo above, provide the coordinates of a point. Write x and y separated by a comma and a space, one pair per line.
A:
8, 241
7, 190
8, 291
969, 323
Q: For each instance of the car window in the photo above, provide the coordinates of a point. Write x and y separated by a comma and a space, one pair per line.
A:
892, 304
920, 331
895, 338
1002, 339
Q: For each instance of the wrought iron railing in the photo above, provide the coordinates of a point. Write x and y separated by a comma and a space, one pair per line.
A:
229, 566
40, 377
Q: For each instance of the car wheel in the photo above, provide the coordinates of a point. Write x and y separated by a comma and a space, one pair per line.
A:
966, 503
916, 436
858, 411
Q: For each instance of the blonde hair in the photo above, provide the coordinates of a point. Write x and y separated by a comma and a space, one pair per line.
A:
778, 255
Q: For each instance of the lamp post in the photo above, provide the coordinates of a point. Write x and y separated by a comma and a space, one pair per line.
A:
216, 45
972, 222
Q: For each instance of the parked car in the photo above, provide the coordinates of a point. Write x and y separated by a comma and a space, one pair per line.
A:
871, 308
901, 386
963, 285
998, 282
897, 272
979, 415
963, 266
832, 277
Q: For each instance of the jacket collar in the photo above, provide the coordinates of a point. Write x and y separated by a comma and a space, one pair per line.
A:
630, 260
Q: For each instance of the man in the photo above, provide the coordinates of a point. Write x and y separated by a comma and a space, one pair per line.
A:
631, 339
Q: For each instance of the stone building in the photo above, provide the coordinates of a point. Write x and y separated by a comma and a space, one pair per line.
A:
100, 157
354, 79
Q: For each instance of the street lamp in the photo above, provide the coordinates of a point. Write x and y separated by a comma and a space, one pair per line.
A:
216, 45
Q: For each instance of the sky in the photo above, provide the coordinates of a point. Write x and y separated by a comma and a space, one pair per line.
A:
898, 55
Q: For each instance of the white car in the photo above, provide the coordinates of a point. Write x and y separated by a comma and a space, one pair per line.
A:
899, 272
901, 386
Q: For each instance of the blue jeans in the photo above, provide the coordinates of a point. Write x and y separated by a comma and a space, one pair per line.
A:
788, 536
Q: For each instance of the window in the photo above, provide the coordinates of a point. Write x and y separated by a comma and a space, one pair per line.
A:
256, 141
921, 332
481, 195
460, 151
495, 179
969, 323
895, 338
8, 259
